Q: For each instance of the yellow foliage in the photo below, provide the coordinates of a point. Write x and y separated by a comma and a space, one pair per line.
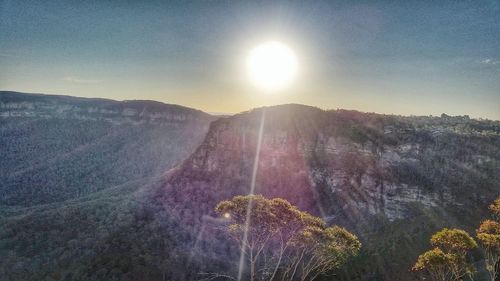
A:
495, 208
453, 240
489, 234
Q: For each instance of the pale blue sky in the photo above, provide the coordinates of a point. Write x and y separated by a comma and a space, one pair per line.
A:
403, 57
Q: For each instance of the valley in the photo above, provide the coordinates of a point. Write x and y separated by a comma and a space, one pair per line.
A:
97, 189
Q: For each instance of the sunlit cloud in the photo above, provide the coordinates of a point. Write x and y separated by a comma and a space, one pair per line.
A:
80, 80
490, 61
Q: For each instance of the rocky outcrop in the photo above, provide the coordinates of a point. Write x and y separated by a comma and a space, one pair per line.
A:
313, 158
370, 173
14, 104
392, 180
55, 148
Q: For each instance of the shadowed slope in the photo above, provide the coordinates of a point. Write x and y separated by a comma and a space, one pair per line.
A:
368, 172
56, 148
391, 180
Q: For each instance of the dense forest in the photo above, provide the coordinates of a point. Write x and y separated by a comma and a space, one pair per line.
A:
56, 148
105, 190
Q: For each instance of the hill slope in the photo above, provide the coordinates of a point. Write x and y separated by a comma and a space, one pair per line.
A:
56, 148
368, 172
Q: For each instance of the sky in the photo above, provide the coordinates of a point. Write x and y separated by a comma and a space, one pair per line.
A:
394, 57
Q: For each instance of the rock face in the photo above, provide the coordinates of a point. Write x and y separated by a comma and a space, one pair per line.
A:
370, 164
367, 172
392, 180
13, 104
55, 148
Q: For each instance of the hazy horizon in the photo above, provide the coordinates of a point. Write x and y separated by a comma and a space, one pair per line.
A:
217, 113
404, 58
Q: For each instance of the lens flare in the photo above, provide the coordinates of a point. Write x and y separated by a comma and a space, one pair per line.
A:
252, 191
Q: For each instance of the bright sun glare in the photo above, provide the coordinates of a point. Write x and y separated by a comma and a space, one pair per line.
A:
272, 66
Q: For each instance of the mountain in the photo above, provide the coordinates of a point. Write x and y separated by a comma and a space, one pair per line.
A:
370, 173
392, 180
56, 148
71, 171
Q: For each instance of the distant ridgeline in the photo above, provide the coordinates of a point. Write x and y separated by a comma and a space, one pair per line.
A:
13, 104
391, 180
59, 147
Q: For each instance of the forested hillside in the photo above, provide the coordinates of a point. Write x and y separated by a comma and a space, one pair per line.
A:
56, 148
391, 180
69, 172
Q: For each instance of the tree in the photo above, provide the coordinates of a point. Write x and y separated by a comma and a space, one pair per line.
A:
488, 234
436, 263
284, 242
317, 250
495, 209
454, 241
448, 260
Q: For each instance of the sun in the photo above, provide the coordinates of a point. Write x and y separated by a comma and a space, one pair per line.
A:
272, 66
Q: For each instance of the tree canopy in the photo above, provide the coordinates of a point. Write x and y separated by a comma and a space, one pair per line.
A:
447, 261
284, 243
436, 262
495, 209
453, 241
488, 234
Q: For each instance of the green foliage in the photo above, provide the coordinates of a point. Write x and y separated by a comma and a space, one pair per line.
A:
268, 217
488, 234
436, 262
447, 261
104, 233
284, 242
431, 259
453, 241
495, 209
60, 148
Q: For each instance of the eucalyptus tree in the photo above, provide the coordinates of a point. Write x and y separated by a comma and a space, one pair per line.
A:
282, 242
488, 235
448, 259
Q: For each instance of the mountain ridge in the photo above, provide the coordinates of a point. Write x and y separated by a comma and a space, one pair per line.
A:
368, 172
225, 114
67, 147
9, 95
